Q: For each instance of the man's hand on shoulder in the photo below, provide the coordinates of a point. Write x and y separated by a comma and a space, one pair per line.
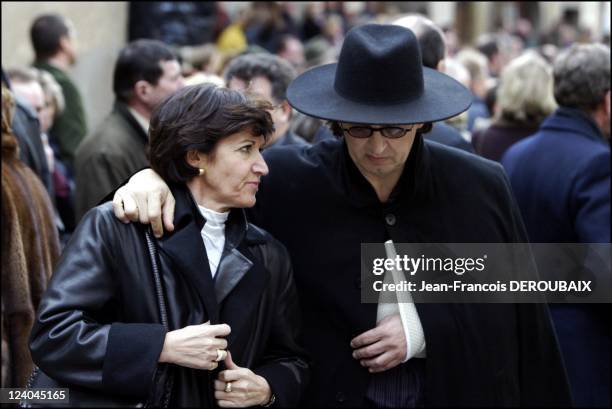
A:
146, 198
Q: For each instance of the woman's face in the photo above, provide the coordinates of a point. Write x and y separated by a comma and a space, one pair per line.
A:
47, 115
233, 171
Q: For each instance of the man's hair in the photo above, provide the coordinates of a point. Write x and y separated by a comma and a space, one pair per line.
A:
197, 117
582, 76
525, 92
46, 32
278, 71
139, 60
430, 36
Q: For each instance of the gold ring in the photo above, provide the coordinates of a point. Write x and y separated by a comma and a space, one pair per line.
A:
221, 354
228, 387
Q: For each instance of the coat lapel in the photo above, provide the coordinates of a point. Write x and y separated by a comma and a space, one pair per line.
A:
186, 249
234, 264
246, 291
232, 268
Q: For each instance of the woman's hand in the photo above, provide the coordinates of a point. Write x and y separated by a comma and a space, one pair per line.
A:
247, 388
145, 198
195, 346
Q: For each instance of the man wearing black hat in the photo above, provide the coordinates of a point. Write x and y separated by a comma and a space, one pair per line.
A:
379, 181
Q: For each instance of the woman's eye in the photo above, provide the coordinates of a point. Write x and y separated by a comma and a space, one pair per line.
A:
246, 149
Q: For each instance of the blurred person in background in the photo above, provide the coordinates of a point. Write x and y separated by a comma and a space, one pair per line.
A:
268, 76
146, 72
25, 85
291, 49
561, 180
452, 40
314, 18
524, 99
26, 129
206, 58
63, 183
477, 65
54, 41
202, 64
548, 52
487, 45
316, 52
175, 23
28, 86
30, 249
433, 54
456, 70
232, 40
268, 23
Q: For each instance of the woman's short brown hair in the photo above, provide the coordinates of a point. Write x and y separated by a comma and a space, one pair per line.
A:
196, 118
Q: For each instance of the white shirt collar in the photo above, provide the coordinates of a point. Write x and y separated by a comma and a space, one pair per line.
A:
142, 121
213, 217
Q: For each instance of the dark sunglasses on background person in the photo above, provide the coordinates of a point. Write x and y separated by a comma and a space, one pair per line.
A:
362, 132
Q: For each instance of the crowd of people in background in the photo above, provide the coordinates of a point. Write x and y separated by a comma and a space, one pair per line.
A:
58, 167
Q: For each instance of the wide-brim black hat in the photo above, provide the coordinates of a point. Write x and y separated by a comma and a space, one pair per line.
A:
379, 79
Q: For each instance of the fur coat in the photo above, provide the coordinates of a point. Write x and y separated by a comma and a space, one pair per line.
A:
30, 249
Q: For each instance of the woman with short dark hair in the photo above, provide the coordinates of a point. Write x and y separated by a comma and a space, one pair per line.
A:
230, 293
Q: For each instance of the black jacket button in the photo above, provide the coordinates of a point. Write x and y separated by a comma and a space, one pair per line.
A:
340, 397
390, 219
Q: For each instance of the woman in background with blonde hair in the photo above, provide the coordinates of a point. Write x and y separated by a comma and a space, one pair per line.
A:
524, 99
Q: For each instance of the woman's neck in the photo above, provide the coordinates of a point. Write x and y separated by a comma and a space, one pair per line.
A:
198, 191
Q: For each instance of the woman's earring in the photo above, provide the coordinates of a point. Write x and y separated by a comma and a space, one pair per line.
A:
201, 170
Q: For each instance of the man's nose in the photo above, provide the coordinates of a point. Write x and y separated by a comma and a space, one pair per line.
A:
378, 143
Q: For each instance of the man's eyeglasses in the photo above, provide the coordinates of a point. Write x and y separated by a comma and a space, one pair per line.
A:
391, 132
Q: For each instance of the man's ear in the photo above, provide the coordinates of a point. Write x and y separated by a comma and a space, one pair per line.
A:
287, 110
142, 89
441, 65
64, 42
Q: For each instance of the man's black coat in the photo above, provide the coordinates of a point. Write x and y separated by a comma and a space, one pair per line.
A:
317, 203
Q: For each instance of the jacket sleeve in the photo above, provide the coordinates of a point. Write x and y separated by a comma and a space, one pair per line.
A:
76, 337
71, 127
284, 364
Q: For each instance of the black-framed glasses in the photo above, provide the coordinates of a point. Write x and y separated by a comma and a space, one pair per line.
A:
362, 132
